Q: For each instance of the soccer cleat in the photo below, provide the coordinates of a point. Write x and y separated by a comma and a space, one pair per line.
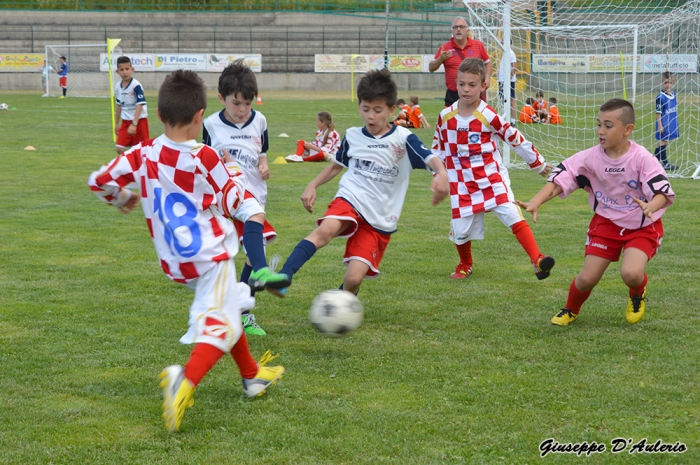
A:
544, 265
669, 167
462, 271
564, 317
62, 96
266, 377
266, 278
178, 395
294, 158
250, 327
635, 307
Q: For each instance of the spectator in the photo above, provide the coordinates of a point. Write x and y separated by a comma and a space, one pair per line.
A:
452, 53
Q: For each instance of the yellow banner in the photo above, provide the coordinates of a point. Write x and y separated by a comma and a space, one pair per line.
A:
25, 62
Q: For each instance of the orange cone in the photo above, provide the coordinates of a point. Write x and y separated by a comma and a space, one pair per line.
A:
259, 102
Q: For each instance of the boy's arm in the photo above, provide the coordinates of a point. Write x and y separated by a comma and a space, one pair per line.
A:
132, 127
308, 198
424, 122
440, 185
263, 167
110, 181
547, 193
117, 117
649, 208
517, 142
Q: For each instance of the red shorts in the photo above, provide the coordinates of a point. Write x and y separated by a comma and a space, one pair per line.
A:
124, 139
63, 81
365, 243
269, 233
607, 240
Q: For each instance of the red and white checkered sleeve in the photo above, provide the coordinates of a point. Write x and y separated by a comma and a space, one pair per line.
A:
438, 147
227, 181
518, 143
110, 181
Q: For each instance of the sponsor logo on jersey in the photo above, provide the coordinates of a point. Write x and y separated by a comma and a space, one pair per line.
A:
378, 146
398, 152
373, 167
474, 138
633, 184
614, 170
244, 136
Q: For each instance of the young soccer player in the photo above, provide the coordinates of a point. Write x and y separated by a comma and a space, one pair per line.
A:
465, 140
540, 106
666, 119
63, 76
554, 117
528, 114
46, 71
242, 132
379, 158
187, 194
404, 110
629, 192
326, 145
131, 108
416, 117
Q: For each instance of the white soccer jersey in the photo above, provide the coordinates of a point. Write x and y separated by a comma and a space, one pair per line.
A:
246, 143
379, 169
475, 170
186, 194
128, 97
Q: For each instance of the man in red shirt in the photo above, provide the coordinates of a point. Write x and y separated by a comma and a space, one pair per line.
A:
452, 53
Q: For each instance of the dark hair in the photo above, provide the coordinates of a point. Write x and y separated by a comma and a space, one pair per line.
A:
377, 85
529, 100
63, 57
553, 100
413, 99
627, 116
539, 94
121, 60
401, 102
238, 78
473, 66
180, 97
666, 75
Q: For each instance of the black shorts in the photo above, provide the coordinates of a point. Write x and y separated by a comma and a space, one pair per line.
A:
512, 90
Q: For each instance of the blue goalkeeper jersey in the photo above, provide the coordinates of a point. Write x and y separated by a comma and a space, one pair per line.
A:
667, 107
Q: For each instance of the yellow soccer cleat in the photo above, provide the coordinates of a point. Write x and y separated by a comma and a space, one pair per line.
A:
178, 396
266, 377
635, 307
564, 317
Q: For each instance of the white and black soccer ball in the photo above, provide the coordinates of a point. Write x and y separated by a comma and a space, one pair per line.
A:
336, 313
3, 106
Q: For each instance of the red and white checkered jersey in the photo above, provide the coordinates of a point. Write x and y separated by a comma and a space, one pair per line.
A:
332, 144
186, 194
474, 166
246, 143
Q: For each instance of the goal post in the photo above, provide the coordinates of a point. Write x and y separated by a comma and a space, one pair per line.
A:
84, 76
585, 52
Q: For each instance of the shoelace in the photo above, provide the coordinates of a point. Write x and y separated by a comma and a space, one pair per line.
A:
274, 262
250, 321
267, 357
565, 311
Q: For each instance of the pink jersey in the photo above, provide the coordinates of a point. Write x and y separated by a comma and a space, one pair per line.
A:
186, 194
470, 153
613, 183
332, 144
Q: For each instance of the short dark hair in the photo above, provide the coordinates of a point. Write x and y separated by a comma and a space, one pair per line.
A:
401, 102
529, 100
238, 78
553, 100
377, 85
63, 57
539, 93
123, 59
474, 66
180, 97
666, 75
627, 116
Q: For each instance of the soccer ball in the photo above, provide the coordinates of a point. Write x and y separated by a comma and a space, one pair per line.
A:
336, 313
3, 106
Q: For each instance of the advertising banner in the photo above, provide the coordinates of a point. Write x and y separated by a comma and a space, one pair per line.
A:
21, 62
341, 63
672, 63
216, 62
140, 61
172, 61
560, 63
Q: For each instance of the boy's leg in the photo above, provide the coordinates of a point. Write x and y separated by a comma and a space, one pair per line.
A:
662, 153
354, 275
634, 262
253, 218
542, 263
318, 156
462, 232
580, 289
364, 252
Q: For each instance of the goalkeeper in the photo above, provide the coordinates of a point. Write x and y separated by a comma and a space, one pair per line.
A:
195, 242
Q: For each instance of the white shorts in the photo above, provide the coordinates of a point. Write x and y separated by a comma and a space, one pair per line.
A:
215, 314
249, 207
471, 228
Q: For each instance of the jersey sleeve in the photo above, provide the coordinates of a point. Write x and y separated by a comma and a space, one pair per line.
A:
265, 140
206, 137
140, 97
438, 147
655, 181
518, 143
418, 153
341, 157
567, 176
659, 104
227, 181
332, 143
110, 181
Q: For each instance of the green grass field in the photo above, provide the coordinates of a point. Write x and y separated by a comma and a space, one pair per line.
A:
440, 372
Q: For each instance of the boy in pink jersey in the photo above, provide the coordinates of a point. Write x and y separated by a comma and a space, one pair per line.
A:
465, 139
188, 196
629, 192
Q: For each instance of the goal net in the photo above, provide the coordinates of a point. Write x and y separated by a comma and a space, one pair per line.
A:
584, 52
84, 76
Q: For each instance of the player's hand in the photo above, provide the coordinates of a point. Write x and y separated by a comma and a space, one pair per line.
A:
645, 208
547, 169
661, 128
529, 208
445, 54
116, 129
264, 169
131, 203
132, 130
440, 188
308, 198
226, 156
